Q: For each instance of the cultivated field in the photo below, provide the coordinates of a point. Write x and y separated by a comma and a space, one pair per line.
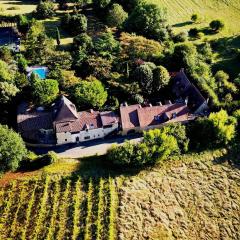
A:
58, 208
190, 198
180, 12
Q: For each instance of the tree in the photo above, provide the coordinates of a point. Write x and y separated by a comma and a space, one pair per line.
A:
161, 143
7, 92
45, 91
106, 45
58, 38
45, 10
223, 83
144, 75
148, 20
90, 93
75, 24
59, 59
217, 25
98, 67
5, 73
161, 78
215, 131
12, 149
38, 44
101, 3
134, 47
178, 131
84, 41
22, 63
157, 145
116, 16
67, 79
223, 126
195, 18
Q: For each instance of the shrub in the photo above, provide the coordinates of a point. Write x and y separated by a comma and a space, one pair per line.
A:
12, 149
157, 145
195, 18
217, 25
45, 10
181, 37
116, 16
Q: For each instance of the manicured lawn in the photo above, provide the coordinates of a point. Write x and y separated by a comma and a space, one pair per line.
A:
22, 6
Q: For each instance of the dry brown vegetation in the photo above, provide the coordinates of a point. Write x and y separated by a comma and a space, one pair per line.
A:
194, 200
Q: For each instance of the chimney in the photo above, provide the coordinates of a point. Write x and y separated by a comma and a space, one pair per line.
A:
149, 105
159, 103
186, 101
182, 70
91, 111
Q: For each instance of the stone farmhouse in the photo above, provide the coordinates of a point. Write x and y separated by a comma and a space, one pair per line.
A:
62, 123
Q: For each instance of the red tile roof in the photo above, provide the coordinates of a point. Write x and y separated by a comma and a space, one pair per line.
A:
86, 119
109, 118
129, 116
150, 116
136, 116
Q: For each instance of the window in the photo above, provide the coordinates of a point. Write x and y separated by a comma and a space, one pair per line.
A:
87, 137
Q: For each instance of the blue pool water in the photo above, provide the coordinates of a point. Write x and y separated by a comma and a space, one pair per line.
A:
41, 72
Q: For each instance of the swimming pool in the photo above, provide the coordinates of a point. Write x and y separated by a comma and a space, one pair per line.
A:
41, 72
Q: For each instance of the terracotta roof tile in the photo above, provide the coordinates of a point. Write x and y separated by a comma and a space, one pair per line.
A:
86, 119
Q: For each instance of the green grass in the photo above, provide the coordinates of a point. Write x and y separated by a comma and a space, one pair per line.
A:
21, 6
179, 13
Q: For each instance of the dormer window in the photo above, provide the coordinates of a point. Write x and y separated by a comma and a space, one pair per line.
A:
91, 125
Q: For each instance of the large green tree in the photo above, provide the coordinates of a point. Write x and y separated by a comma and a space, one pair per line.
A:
116, 16
45, 91
161, 78
218, 130
12, 149
5, 73
45, 9
90, 92
148, 20
7, 92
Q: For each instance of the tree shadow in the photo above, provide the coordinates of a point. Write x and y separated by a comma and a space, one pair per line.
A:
21, 2
182, 24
